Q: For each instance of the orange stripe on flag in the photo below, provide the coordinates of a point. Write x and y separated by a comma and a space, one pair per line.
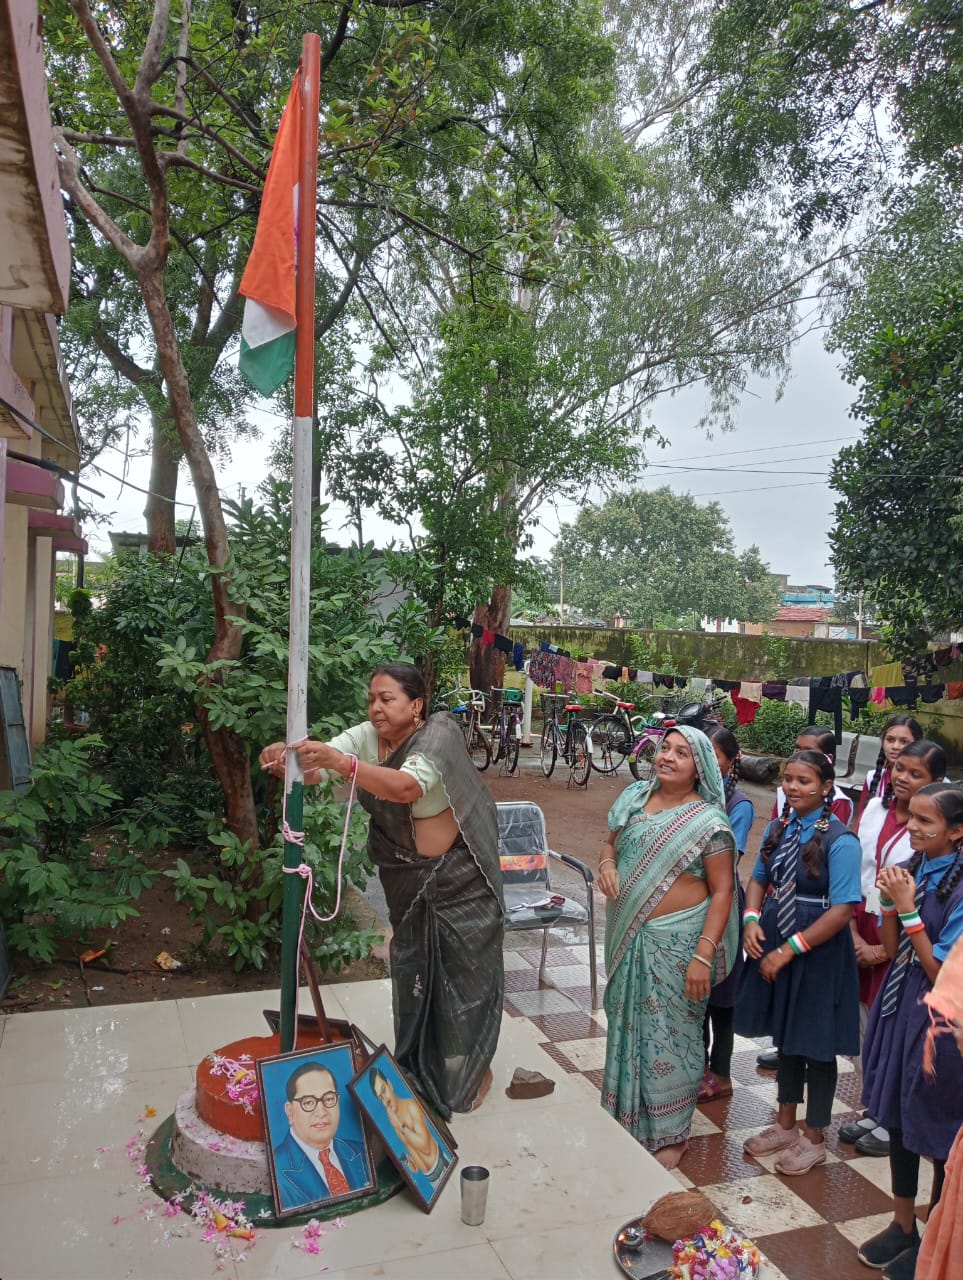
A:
269, 277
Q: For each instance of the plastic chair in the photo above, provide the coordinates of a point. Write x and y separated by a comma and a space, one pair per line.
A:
867, 753
531, 901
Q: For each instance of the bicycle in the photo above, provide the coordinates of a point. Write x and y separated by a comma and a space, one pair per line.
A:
467, 705
614, 734
569, 740
506, 728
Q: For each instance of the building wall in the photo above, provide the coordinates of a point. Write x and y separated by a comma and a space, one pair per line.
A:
13, 612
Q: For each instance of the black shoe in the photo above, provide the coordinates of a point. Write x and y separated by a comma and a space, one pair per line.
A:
904, 1267
889, 1245
769, 1060
856, 1129
870, 1145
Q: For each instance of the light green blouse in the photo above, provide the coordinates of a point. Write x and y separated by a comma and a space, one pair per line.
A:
361, 740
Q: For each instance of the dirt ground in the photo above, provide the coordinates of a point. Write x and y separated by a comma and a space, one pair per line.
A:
130, 971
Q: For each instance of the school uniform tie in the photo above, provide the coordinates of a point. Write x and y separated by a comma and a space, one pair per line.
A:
337, 1182
898, 969
784, 877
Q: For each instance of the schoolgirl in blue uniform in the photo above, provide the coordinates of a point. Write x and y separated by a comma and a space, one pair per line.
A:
922, 906
717, 1029
800, 984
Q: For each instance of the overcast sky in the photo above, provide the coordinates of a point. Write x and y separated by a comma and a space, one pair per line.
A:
786, 512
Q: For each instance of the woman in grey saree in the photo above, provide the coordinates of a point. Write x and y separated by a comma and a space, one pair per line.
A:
433, 835
668, 870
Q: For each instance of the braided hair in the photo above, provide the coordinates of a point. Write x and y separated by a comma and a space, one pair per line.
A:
727, 743
894, 722
814, 850
934, 761
948, 798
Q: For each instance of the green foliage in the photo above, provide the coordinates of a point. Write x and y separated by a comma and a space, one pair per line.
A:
778, 660
799, 89
656, 557
774, 730
899, 531
236, 897
66, 866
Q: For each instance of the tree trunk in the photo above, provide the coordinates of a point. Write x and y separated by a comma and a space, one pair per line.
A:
228, 750
486, 663
160, 509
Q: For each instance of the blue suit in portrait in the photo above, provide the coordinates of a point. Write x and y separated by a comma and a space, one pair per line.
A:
301, 1181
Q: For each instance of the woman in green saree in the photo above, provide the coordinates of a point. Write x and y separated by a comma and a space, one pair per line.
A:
668, 870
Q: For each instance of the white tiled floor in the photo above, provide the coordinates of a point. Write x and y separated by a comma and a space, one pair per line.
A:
565, 1176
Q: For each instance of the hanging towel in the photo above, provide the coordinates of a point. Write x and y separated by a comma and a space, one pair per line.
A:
798, 694
698, 686
901, 695
954, 689
751, 691
774, 689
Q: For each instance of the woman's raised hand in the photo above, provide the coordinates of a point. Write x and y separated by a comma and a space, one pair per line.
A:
317, 755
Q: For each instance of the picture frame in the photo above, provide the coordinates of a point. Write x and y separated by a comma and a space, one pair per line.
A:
334, 1131
419, 1145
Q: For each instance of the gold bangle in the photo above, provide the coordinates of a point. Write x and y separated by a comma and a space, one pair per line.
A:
705, 938
603, 861
702, 959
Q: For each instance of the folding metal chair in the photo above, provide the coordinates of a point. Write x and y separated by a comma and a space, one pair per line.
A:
531, 900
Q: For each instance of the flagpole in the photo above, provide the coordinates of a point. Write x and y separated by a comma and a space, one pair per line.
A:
297, 721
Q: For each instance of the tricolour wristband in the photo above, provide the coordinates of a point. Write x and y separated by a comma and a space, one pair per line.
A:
910, 919
750, 917
919, 927
799, 944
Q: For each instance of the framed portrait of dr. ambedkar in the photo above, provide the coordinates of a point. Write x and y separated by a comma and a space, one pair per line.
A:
317, 1148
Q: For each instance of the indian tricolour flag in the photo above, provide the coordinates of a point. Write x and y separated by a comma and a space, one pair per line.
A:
269, 280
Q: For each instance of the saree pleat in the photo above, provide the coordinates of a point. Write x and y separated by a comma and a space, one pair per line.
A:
655, 1054
447, 915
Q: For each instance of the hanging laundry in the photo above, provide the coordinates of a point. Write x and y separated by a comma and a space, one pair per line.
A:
751, 691
858, 699
774, 689
518, 655
583, 677
954, 689
798, 694
746, 708
824, 696
932, 692
878, 695
902, 695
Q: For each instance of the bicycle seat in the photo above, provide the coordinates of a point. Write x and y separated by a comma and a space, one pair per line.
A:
574, 706
668, 722
626, 706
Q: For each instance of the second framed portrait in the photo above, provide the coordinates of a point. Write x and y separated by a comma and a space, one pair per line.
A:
422, 1148
317, 1148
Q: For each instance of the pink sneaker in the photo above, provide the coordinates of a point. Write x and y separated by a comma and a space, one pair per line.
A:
770, 1140
802, 1156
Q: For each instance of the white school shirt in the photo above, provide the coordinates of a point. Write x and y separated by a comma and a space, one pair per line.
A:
895, 853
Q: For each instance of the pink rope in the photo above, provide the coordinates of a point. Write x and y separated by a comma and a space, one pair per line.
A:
306, 872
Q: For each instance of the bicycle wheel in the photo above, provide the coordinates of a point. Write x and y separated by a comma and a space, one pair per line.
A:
548, 748
512, 739
642, 762
580, 762
497, 739
478, 748
609, 745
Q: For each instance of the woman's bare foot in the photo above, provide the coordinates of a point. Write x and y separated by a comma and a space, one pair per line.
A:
669, 1157
483, 1088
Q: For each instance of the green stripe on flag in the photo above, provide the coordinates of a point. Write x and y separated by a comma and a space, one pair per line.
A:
269, 365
